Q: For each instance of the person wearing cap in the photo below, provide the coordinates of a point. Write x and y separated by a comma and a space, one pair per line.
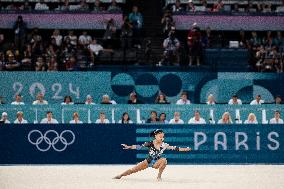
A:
235, 100
75, 119
4, 118
89, 100
20, 118
18, 100
102, 119
49, 119
183, 99
176, 119
276, 119
156, 148
197, 119
257, 101
40, 100
133, 99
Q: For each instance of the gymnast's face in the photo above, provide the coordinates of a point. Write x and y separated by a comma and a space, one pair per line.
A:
160, 137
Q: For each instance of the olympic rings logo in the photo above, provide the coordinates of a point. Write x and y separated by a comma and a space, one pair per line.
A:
59, 143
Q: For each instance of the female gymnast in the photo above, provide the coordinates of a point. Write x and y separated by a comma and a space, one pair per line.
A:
154, 159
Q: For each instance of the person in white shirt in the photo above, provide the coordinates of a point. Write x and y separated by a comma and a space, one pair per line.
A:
235, 100
210, 100
257, 100
18, 100
20, 118
76, 119
95, 48
4, 118
176, 119
58, 38
40, 100
89, 100
72, 37
226, 119
67, 101
276, 119
41, 6
102, 118
125, 119
197, 119
49, 119
251, 119
85, 39
106, 100
183, 99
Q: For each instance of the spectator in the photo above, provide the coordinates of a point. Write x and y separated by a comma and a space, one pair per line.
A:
65, 6
89, 100
102, 119
71, 63
251, 119
243, 40
235, 100
197, 119
49, 119
163, 118
19, 29
67, 101
97, 6
125, 119
95, 49
12, 64
113, 7
167, 23
254, 41
171, 46
176, 119
278, 99
218, 7
40, 100
40, 64
207, 38
58, 38
279, 40
210, 100
257, 100
20, 118
75, 119
161, 99
52, 64
177, 7
4, 118
194, 44
18, 100
110, 35
41, 6
106, 100
85, 39
226, 119
183, 98
153, 118
72, 37
136, 20
83, 6
190, 6
275, 120
133, 99
26, 6
126, 34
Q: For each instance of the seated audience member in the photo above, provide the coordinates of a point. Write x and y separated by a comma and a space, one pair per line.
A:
133, 99
49, 119
163, 118
226, 119
40, 100
18, 100
125, 119
89, 100
106, 100
176, 119
4, 118
251, 119
97, 6
183, 99
161, 99
235, 100
102, 118
197, 119
276, 119
210, 100
177, 7
41, 6
67, 101
20, 118
278, 99
11, 64
75, 119
85, 39
257, 100
153, 117
113, 7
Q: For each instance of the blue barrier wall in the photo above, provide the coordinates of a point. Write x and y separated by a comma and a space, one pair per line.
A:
146, 84
100, 144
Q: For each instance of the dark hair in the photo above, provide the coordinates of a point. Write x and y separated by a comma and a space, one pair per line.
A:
235, 96
154, 112
155, 132
67, 97
157, 101
48, 112
277, 111
122, 118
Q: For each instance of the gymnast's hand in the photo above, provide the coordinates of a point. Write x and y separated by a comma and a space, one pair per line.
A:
126, 147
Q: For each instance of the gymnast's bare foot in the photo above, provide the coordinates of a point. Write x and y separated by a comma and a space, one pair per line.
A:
117, 177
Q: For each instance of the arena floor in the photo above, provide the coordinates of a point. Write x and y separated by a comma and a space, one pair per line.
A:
175, 176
